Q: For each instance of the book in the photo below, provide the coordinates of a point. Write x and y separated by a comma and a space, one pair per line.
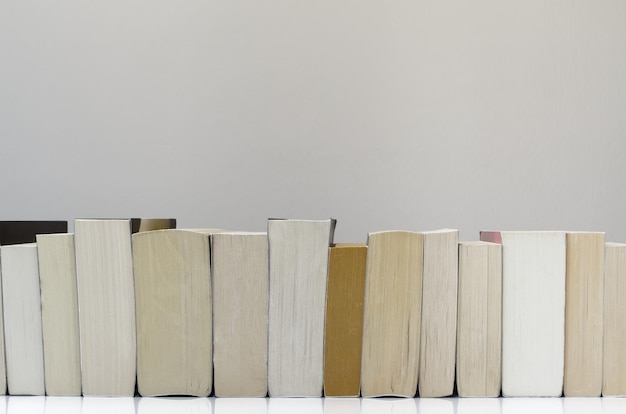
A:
149, 224
614, 353
239, 264
584, 314
106, 303
18, 232
344, 320
392, 314
533, 313
22, 319
59, 314
173, 309
439, 302
298, 269
479, 324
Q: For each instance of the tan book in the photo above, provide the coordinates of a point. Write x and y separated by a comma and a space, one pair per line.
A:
392, 314
614, 355
298, 261
344, 320
239, 264
106, 303
59, 314
584, 275
439, 301
22, 319
173, 294
479, 324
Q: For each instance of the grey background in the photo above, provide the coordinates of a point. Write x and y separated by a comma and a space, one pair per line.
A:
399, 114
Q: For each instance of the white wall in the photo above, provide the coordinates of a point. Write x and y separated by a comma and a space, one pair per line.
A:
483, 114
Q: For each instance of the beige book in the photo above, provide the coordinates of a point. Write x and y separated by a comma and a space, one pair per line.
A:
479, 324
392, 314
59, 314
239, 265
106, 303
533, 313
343, 338
22, 319
614, 355
584, 314
173, 294
439, 301
298, 262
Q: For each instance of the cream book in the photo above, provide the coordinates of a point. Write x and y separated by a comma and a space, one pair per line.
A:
614, 355
298, 269
59, 314
173, 308
533, 313
584, 292
239, 264
392, 314
106, 303
439, 302
479, 323
22, 319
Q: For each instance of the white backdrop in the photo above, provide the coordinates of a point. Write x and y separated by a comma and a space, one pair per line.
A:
399, 114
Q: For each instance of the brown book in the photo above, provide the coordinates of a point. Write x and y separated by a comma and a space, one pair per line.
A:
344, 320
583, 314
392, 314
614, 376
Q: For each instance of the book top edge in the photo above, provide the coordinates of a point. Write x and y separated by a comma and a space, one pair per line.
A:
478, 243
394, 231
440, 231
613, 244
206, 232
240, 233
18, 246
348, 245
51, 235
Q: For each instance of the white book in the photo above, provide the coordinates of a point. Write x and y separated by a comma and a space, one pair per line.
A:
533, 313
439, 304
106, 302
59, 313
391, 316
22, 319
298, 263
239, 265
173, 309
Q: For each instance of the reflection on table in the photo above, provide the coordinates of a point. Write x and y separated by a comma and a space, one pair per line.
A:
181, 405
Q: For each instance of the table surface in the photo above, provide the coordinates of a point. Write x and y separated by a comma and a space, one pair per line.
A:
89, 405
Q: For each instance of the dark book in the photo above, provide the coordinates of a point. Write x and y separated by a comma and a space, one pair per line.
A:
17, 232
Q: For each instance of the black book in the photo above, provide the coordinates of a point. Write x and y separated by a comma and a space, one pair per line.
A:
17, 232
